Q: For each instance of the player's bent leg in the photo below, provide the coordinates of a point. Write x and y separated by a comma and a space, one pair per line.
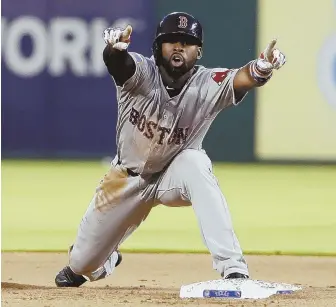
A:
189, 179
108, 221
90, 264
100, 234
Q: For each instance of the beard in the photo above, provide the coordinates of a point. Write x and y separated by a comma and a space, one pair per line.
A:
177, 71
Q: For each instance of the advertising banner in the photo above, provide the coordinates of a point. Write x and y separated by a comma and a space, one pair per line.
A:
57, 97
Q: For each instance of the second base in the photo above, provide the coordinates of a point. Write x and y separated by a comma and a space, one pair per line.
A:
236, 289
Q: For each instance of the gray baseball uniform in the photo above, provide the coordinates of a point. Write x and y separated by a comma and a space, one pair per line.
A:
159, 139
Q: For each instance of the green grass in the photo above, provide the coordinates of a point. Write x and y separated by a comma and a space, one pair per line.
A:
275, 209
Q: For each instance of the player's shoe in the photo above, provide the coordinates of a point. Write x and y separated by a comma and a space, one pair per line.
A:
67, 278
237, 275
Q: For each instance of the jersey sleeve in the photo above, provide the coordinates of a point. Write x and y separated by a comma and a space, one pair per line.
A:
142, 79
221, 89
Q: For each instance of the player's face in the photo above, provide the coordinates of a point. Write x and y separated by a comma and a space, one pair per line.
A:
179, 54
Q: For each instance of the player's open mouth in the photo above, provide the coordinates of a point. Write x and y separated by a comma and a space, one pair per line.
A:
177, 60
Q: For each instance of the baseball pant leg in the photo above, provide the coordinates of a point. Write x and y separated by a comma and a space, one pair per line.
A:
115, 211
189, 181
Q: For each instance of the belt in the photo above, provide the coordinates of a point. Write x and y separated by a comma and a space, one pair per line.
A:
129, 172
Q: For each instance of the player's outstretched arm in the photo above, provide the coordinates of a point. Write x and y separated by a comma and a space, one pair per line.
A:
256, 73
119, 63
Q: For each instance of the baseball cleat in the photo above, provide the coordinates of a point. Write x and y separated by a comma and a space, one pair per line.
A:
237, 275
67, 278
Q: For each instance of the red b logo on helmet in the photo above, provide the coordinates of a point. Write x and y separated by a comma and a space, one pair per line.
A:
183, 22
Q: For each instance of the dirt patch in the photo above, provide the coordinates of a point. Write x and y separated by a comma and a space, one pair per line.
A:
155, 280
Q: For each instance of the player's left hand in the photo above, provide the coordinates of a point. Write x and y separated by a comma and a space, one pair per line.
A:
273, 58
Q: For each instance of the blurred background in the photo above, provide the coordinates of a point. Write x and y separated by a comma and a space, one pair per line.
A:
274, 155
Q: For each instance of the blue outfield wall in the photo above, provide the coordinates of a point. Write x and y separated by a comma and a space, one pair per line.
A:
58, 99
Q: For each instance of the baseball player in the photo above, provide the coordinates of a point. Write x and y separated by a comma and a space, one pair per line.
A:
166, 105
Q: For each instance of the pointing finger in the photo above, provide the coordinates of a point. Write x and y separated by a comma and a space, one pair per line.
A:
269, 50
272, 44
127, 33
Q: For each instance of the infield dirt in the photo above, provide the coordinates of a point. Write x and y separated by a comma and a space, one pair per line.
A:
155, 279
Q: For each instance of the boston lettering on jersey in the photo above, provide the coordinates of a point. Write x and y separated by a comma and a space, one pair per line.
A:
178, 137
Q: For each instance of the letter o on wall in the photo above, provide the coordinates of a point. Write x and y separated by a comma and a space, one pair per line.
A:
14, 58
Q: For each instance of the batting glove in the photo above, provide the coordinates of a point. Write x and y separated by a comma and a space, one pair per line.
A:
118, 38
270, 59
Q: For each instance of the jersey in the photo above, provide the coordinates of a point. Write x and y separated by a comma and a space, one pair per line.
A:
152, 127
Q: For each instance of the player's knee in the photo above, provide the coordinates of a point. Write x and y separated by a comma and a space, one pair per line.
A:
192, 162
80, 264
190, 170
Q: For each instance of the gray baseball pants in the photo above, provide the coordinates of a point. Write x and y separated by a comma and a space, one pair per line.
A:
122, 202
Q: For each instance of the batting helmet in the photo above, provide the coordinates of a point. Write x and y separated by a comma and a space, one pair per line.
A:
177, 23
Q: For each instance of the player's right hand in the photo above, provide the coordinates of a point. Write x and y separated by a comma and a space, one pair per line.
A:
118, 38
